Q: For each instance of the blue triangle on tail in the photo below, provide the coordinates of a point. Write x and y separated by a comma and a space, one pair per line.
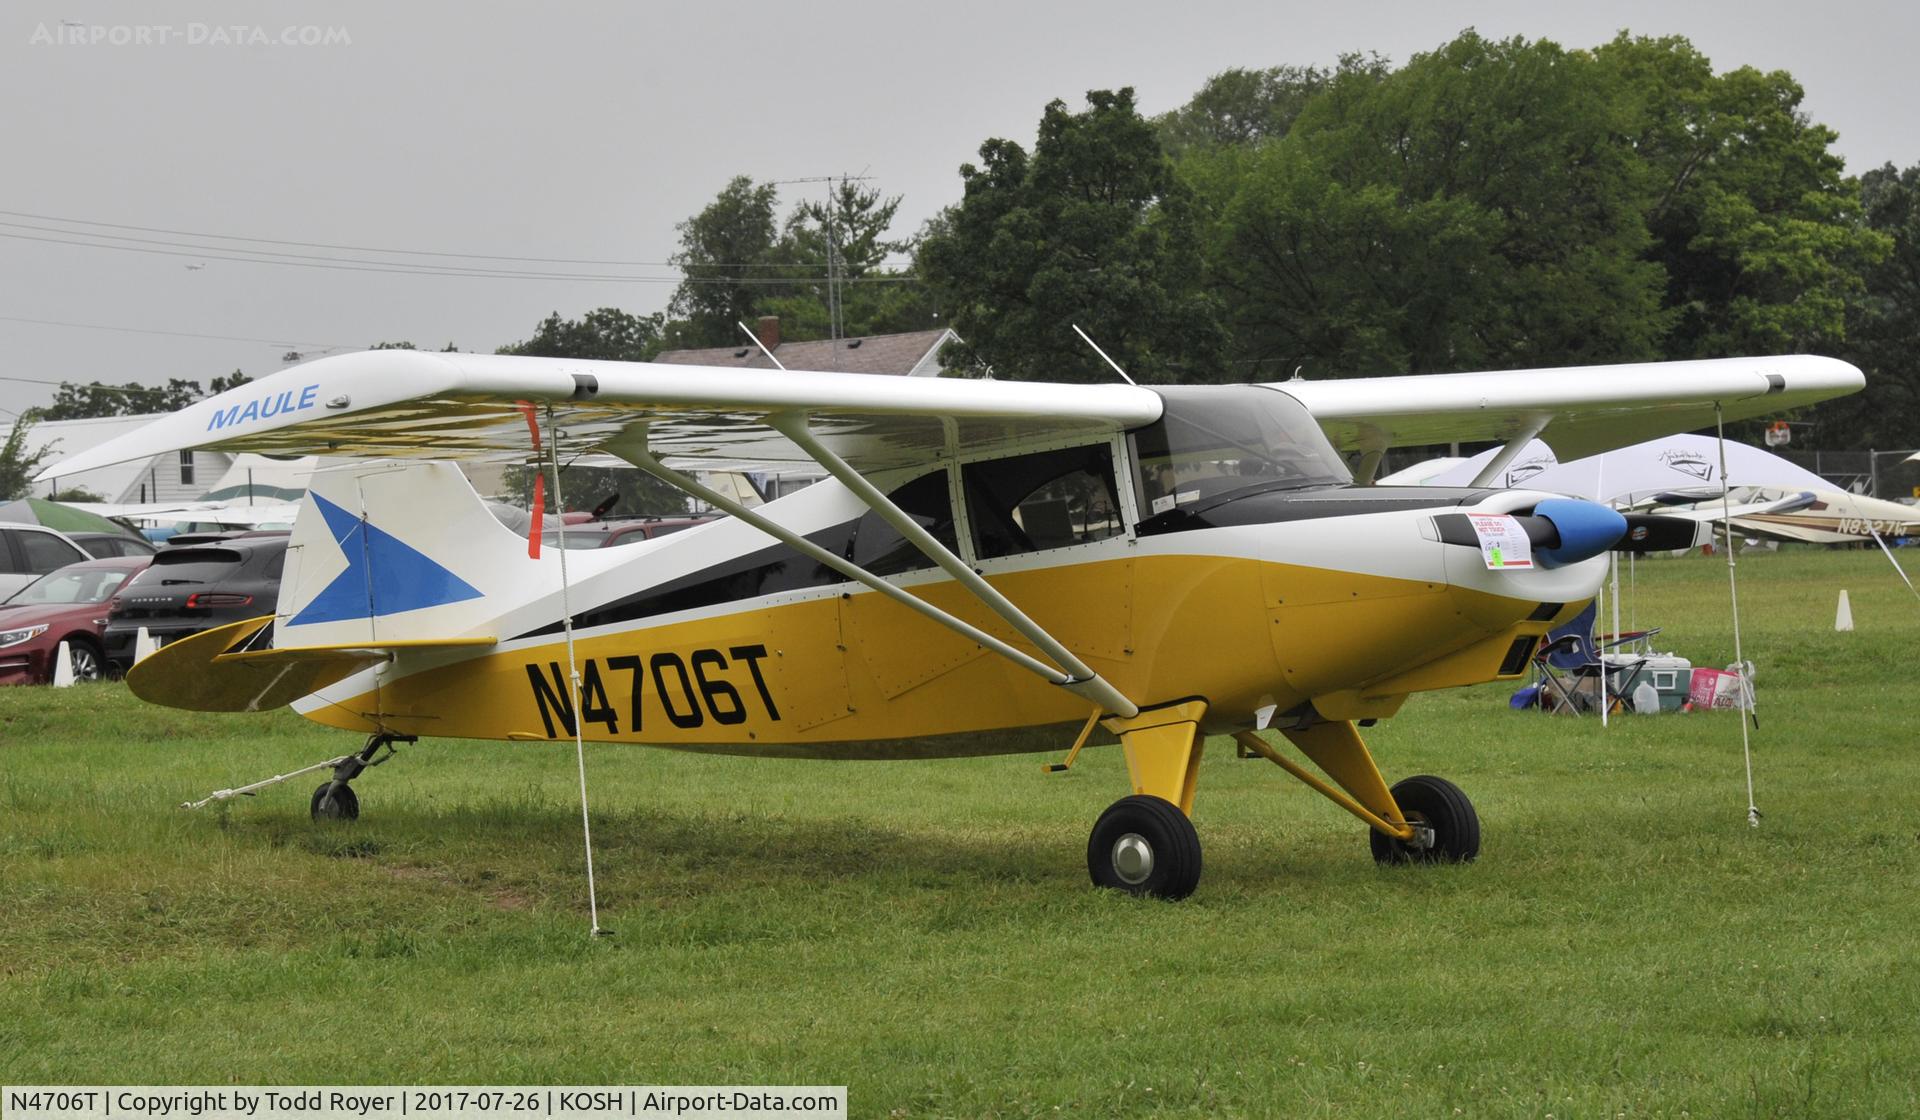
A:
384, 574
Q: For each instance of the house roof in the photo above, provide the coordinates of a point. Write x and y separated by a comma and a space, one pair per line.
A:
899, 354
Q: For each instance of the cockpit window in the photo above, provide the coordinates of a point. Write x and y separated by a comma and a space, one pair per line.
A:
1212, 441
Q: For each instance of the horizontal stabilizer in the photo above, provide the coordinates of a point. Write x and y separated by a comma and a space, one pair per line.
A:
214, 671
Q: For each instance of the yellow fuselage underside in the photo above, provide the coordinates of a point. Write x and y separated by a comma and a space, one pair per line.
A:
860, 676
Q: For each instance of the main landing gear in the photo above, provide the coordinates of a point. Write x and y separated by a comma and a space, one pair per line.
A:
1446, 829
1146, 844
335, 799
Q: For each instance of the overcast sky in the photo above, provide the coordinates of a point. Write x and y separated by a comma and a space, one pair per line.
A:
586, 130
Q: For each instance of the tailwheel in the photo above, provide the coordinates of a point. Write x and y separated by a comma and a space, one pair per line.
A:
1446, 829
1145, 845
334, 801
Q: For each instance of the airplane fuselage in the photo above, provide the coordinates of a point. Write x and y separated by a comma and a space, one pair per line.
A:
1343, 599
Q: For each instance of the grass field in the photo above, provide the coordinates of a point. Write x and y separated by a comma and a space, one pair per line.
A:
924, 932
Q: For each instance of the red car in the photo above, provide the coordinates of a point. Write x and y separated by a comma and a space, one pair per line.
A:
66, 605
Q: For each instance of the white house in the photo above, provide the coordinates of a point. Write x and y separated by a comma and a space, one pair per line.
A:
173, 477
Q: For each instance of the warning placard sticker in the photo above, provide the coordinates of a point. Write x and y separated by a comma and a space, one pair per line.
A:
1503, 543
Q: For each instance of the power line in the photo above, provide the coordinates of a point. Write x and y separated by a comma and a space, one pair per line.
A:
173, 334
347, 264
102, 386
599, 262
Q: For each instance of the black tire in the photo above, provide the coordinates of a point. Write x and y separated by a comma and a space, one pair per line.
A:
1145, 830
89, 664
1438, 804
331, 803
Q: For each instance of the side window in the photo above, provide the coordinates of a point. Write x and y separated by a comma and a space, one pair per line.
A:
880, 549
8, 565
1050, 499
45, 553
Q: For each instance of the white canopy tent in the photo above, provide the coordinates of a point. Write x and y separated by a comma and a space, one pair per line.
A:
1627, 474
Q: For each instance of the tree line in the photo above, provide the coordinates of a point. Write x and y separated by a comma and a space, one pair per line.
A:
1490, 204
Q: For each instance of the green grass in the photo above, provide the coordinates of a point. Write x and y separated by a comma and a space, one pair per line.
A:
924, 932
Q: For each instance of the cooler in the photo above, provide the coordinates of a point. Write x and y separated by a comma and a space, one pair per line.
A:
1670, 676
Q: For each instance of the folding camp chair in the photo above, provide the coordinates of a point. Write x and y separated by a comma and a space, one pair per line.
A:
1573, 672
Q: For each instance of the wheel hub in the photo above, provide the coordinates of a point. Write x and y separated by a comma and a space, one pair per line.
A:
1132, 859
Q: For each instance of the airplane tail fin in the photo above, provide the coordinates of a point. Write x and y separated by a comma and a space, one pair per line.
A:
393, 551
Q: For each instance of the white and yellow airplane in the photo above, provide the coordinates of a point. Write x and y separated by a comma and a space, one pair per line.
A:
991, 567
1809, 516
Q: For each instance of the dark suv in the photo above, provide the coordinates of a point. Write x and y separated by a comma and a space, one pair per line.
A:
191, 588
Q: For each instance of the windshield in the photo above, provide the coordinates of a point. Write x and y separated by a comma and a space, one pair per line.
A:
71, 585
1215, 440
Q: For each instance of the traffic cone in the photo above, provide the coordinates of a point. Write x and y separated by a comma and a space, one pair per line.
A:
62, 667
143, 645
1843, 618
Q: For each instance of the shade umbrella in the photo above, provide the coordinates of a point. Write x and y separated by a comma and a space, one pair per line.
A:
1625, 474
58, 515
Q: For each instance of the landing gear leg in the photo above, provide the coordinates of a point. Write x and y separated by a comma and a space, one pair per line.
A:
1146, 844
335, 799
1422, 819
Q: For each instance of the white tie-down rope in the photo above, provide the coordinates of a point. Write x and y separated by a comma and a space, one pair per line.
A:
1891, 560
1747, 698
573, 671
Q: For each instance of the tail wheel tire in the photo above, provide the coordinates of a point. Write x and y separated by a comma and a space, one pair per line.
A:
1438, 806
1146, 846
334, 802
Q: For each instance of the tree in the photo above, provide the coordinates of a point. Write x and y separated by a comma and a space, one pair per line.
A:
17, 465
74, 401
604, 334
231, 381
1883, 324
1093, 229
856, 218
1757, 230
1472, 209
848, 231
725, 253
1240, 107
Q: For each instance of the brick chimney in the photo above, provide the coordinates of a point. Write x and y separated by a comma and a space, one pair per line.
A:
768, 331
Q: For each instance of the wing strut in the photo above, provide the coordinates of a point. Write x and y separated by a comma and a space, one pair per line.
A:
1514, 446
1076, 677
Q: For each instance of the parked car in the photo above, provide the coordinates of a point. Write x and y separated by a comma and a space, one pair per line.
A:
28, 552
67, 605
628, 530
195, 587
102, 545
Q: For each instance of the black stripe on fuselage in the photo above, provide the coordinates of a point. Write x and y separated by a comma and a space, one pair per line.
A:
767, 571
778, 568
1267, 507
